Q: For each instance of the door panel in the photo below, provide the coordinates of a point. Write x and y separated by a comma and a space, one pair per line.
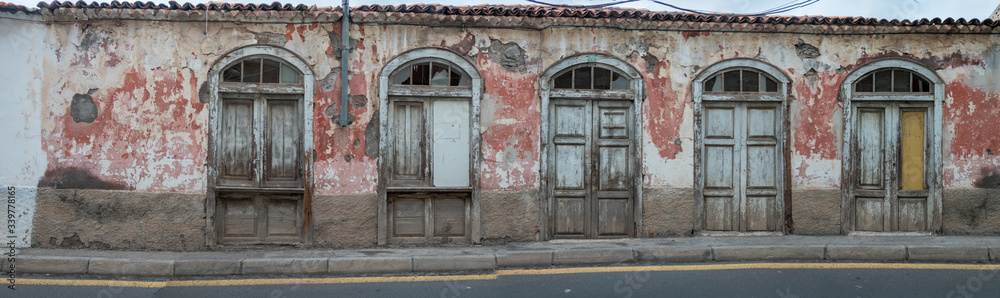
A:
760, 215
912, 214
449, 217
408, 217
870, 214
718, 213
282, 143
570, 166
912, 150
719, 167
870, 148
570, 216
281, 218
237, 143
613, 167
590, 167
451, 143
240, 218
718, 122
612, 217
408, 144
761, 167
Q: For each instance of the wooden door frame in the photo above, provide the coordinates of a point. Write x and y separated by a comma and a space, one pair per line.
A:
783, 203
934, 164
546, 93
216, 87
473, 94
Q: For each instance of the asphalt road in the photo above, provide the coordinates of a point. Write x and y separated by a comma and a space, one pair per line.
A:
736, 280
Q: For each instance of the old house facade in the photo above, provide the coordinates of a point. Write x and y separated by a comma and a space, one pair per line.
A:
179, 127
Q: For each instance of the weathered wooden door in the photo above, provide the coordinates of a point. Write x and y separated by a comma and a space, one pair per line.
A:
890, 151
590, 160
742, 162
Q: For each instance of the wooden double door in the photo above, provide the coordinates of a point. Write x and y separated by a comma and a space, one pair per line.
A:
590, 165
742, 167
891, 183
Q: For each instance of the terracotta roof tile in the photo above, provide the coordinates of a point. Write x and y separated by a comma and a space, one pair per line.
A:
11, 7
605, 14
173, 5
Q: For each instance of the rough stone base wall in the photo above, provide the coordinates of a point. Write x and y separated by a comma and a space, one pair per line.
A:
816, 211
113, 219
667, 212
971, 211
345, 220
509, 216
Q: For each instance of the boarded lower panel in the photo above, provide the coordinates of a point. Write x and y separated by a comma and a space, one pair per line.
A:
569, 216
408, 217
760, 215
241, 218
718, 213
912, 214
868, 214
612, 217
282, 220
449, 217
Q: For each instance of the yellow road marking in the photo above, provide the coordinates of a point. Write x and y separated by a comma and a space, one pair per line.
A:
341, 280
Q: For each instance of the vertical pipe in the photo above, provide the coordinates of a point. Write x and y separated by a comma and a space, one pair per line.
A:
345, 51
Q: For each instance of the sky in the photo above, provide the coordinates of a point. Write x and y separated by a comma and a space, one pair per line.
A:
883, 9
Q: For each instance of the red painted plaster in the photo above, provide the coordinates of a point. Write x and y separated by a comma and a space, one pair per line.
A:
973, 114
664, 110
516, 144
146, 138
813, 135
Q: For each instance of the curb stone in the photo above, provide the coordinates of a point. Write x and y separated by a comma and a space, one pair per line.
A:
866, 252
673, 254
49, 264
285, 266
454, 263
207, 267
767, 253
130, 267
592, 256
370, 265
525, 259
948, 253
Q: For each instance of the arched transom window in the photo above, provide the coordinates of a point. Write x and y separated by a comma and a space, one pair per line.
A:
261, 70
430, 73
591, 77
741, 80
892, 80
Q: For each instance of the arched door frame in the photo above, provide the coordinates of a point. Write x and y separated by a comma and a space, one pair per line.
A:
307, 92
848, 97
698, 96
474, 94
635, 93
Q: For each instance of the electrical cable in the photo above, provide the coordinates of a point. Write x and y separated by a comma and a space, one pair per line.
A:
776, 10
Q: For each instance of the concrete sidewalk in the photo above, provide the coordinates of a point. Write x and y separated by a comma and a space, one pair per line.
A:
290, 261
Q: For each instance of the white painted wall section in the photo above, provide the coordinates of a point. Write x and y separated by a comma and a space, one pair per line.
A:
22, 160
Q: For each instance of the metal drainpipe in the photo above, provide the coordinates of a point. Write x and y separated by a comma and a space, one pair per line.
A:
345, 51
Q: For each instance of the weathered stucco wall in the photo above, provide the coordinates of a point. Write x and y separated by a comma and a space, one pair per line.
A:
23, 159
117, 107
